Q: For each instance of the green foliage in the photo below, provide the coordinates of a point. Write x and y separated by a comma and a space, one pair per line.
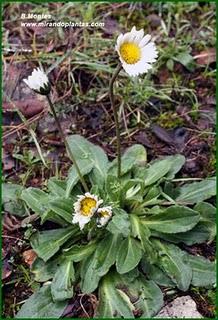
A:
135, 155
173, 262
113, 301
47, 243
11, 199
62, 284
121, 295
90, 158
204, 271
136, 251
128, 255
173, 219
41, 305
197, 191
119, 223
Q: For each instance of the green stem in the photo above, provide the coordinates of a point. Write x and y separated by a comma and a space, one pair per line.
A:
111, 93
67, 144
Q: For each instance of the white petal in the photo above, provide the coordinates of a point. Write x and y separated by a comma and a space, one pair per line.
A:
119, 40
149, 53
82, 220
137, 68
145, 40
139, 36
38, 79
133, 29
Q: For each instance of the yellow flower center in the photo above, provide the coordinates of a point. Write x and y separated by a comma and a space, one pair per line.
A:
87, 205
104, 213
130, 52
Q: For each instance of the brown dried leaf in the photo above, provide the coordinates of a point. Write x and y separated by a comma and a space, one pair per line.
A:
206, 57
6, 270
29, 256
8, 162
162, 134
29, 107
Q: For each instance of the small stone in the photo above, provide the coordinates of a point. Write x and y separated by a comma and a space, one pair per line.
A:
182, 307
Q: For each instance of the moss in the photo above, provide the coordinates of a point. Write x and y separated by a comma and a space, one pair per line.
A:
169, 120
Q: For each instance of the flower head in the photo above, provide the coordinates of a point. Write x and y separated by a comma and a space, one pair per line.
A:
104, 214
136, 51
38, 81
85, 207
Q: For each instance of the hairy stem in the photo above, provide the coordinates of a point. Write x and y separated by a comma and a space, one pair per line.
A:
111, 93
67, 144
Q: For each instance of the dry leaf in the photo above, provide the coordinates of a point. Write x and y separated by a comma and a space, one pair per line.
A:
29, 256
206, 57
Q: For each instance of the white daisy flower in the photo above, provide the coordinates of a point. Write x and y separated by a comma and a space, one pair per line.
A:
38, 81
104, 215
85, 207
136, 51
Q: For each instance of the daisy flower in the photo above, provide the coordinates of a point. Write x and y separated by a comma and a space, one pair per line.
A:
38, 81
104, 215
136, 51
85, 207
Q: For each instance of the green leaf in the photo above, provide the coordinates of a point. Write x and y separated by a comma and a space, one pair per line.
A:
177, 162
50, 215
100, 160
85, 150
170, 190
156, 171
197, 191
174, 263
89, 277
149, 297
94, 267
132, 191
186, 60
44, 271
135, 155
41, 305
128, 255
63, 208
119, 224
113, 189
85, 167
204, 271
141, 231
170, 64
57, 187
199, 234
39, 200
62, 283
106, 252
173, 219
152, 196
123, 296
154, 273
36, 199
10, 191
11, 199
79, 252
166, 167
207, 218
114, 303
207, 212
47, 243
